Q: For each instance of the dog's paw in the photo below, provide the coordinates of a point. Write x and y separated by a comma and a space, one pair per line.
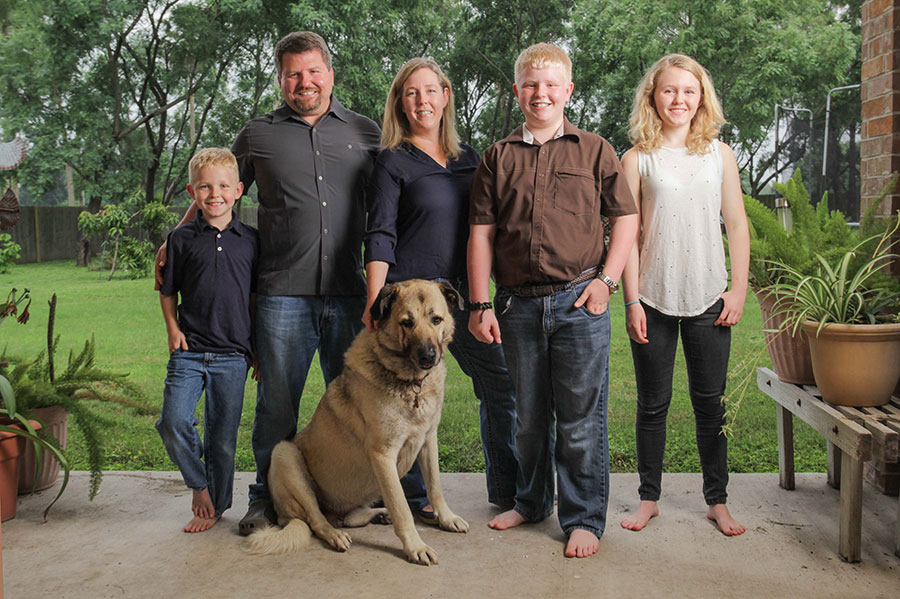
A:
339, 539
382, 517
421, 554
454, 524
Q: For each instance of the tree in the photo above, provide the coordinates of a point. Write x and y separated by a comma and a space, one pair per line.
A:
759, 53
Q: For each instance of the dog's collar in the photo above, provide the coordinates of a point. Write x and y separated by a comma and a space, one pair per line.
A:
416, 385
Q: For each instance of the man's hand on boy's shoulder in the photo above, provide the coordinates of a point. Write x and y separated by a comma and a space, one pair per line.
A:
158, 266
594, 298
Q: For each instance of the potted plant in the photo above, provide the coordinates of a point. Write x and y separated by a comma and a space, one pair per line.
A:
848, 309
15, 427
38, 385
814, 230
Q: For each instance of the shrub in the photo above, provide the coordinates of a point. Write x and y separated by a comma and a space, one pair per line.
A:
9, 251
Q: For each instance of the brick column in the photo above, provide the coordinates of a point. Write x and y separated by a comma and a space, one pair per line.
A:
880, 148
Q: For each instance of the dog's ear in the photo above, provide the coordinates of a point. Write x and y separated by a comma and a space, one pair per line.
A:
454, 299
381, 309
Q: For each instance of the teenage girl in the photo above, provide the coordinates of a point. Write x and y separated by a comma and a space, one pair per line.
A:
683, 178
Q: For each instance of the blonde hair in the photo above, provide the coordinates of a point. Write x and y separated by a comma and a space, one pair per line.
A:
213, 157
645, 126
395, 128
542, 56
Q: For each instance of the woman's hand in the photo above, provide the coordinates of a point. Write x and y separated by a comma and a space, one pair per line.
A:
733, 308
636, 323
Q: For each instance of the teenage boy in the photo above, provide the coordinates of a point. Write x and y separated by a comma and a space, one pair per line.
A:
211, 262
536, 205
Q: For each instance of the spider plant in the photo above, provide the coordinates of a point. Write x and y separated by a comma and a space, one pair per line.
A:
843, 291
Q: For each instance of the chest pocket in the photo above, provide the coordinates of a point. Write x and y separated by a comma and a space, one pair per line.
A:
574, 191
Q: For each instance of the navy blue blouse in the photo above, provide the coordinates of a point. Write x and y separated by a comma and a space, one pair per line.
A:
419, 213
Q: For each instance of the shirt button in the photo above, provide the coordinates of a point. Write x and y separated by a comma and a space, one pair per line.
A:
349, 146
317, 152
324, 257
320, 177
219, 248
218, 236
324, 203
325, 231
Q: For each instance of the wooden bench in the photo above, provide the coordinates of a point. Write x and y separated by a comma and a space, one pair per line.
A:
854, 436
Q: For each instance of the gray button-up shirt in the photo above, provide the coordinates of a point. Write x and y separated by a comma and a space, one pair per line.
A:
312, 211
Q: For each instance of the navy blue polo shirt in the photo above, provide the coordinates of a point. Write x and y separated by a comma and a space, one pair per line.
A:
419, 213
215, 273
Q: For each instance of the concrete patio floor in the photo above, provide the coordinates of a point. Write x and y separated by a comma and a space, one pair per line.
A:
128, 543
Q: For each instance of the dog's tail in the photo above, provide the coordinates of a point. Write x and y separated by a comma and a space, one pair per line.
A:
271, 539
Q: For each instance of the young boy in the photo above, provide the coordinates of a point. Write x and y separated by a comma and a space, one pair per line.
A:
211, 262
536, 203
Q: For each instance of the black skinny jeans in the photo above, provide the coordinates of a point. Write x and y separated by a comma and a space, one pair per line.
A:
706, 351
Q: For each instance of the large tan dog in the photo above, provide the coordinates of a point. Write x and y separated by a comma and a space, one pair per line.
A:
374, 420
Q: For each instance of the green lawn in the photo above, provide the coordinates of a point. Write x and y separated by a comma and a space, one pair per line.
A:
125, 318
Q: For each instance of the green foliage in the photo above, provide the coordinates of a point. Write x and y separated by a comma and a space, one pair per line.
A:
81, 383
116, 221
9, 251
840, 292
816, 230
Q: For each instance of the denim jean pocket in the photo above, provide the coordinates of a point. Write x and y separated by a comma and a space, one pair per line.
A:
584, 309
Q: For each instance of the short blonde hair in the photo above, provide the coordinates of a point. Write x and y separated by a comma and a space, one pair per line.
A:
395, 127
542, 56
213, 157
645, 126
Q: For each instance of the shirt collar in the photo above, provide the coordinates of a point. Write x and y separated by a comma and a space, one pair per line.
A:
234, 226
285, 112
522, 134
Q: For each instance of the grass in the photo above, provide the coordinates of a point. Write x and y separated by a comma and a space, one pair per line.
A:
125, 318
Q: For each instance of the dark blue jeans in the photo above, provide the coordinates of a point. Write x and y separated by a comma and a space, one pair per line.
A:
706, 350
558, 357
486, 366
289, 331
222, 376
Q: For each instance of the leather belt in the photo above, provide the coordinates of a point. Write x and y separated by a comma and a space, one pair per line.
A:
541, 289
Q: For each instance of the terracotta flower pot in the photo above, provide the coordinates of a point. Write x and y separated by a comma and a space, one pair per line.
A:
56, 420
11, 448
789, 353
855, 364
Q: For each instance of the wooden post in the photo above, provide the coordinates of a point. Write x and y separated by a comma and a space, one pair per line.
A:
850, 536
785, 448
834, 465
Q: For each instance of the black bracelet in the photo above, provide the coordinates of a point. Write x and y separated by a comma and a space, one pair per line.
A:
478, 306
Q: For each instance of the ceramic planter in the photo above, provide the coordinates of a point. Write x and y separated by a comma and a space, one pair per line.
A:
11, 448
56, 420
789, 353
855, 364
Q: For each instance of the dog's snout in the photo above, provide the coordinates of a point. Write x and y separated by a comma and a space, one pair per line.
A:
426, 356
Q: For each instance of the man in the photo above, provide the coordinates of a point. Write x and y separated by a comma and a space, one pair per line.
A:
310, 159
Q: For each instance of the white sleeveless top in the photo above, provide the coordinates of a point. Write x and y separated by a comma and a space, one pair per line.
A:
682, 257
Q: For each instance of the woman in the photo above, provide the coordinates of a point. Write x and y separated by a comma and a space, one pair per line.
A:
682, 179
418, 228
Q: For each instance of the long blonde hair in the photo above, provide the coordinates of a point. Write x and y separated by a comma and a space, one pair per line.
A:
395, 127
645, 126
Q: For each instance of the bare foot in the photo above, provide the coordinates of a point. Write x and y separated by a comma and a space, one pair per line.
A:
638, 520
198, 524
506, 520
202, 506
582, 543
728, 525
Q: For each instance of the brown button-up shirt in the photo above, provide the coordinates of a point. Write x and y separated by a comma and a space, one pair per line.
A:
546, 202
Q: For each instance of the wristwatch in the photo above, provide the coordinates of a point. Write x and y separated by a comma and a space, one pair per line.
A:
613, 286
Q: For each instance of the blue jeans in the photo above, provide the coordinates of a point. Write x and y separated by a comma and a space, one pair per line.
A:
706, 350
289, 331
223, 377
558, 357
486, 366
